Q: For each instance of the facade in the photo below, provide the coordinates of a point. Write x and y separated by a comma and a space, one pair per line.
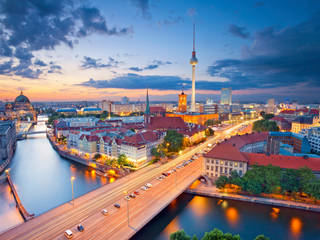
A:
7, 139
226, 96
313, 136
304, 122
223, 159
196, 118
20, 109
182, 105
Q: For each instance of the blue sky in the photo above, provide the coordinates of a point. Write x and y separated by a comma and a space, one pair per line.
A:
92, 50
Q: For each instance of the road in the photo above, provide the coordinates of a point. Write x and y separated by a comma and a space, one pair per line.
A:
87, 208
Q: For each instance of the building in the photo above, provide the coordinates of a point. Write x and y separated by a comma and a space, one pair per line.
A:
304, 122
313, 136
91, 110
195, 118
210, 108
125, 100
223, 159
21, 109
7, 140
299, 143
226, 96
193, 62
283, 124
271, 105
182, 105
240, 152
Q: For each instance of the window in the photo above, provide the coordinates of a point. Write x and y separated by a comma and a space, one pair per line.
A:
225, 170
207, 167
221, 162
231, 164
226, 163
208, 160
241, 165
235, 164
211, 168
217, 161
217, 168
221, 169
212, 161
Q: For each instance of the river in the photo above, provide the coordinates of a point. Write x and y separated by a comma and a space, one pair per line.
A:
197, 215
42, 179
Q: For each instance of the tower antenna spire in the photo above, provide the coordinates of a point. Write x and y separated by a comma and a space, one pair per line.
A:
194, 36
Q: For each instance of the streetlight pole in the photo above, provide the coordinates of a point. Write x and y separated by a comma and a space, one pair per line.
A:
125, 193
72, 180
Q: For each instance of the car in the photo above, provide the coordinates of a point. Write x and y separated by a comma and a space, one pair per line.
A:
132, 195
104, 211
148, 185
159, 178
68, 233
117, 205
80, 228
127, 198
165, 174
144, 188
136, 192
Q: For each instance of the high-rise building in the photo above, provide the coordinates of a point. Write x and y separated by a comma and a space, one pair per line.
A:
270, 105
124, 100
182, 105
193, 62
226, 96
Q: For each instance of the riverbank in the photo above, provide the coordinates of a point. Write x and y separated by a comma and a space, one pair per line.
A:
4, 164
212, 191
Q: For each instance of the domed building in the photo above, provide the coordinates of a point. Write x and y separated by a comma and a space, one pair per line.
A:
20, 109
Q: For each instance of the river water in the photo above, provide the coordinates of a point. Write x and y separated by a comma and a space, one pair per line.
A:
197, 215
42, 180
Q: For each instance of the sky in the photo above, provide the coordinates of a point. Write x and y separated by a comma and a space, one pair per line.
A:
66, 50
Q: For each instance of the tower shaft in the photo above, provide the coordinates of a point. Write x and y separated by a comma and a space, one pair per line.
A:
193, 96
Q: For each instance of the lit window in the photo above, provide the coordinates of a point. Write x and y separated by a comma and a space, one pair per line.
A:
235, 164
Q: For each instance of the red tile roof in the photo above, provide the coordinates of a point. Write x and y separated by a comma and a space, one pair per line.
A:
141, 138
283, 161
90, 138
157, 109
167, 123
242, 140
226, 151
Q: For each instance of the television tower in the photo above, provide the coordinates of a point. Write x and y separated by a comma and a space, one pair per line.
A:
193, 62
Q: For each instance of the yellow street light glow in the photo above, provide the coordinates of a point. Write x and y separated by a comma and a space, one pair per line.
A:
72, 178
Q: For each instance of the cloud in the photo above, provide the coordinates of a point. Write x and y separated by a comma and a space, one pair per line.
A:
29, 25
143, 6
240, 32
40, 63
89, 62
155, 64
276, 58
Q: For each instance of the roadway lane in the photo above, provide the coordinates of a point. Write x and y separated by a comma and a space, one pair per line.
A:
50, 225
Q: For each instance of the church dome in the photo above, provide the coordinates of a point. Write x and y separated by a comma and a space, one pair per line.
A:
22, 99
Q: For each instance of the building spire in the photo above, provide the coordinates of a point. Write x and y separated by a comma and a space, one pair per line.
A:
147, 104
194, 37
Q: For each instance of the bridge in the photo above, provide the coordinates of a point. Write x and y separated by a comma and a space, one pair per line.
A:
23, 135
26, 216
120, 223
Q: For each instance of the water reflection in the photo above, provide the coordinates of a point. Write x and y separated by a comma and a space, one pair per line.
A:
199, 206
232, 216
295, 226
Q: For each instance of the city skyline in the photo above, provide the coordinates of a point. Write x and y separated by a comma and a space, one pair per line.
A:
254, 47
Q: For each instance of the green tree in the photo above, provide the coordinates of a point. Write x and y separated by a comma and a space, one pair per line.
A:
97, 156
221, 181
180, 235
261, 237
306, 176
122, 160
217, 234
313, 189
173, 141
209, 132
289, 180
265, 125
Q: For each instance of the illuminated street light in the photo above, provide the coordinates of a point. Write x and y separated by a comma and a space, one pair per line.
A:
72, 180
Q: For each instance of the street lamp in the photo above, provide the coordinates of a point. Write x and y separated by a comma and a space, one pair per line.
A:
125, 193
72, 180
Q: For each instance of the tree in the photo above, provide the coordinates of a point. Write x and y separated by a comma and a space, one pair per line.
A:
289, 180
173, 141
97, 156
217, 234
306, 176
180, 235
265, 125
209, 132
261, 237
221, 181
313, 189
122, 160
